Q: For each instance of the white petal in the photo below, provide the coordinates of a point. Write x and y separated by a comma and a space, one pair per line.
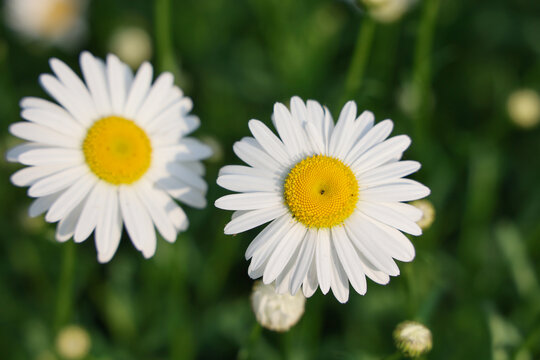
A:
389, 216
364, 239
66, 226
304, 260
74, 85
106, 228
398, 245
71, 198
96, 79
269, 142
116, 77
340, 284
324, 260
343, 135
91, 210
68, 100
398, 190
267, 245
389, 172
14, 154
374, 136
29, 175
57, 182
187, 176
176, 215
139, 89
381, 153
42, 204
43, 135
349, 259
58, 120
328, 128
282, 253
245, 183
284, 124
187, 149
270, 231
253, 219
255, 156
410, 211
156, 98
249, 201
50, 156
245, 170
157, 213
310, 284
137, 221
182, 192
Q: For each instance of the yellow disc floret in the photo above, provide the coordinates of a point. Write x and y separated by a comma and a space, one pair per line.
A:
321, 191
117, 150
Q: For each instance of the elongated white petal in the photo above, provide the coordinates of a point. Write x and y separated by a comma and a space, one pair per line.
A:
58, 120
249, 201
304, 260
374, 136
349, 259
246, 183
340, 283
253, 219
42, 135
399, 190
324, 260
90, 212
381, 153
70, 198
389, 216
139, 89
57, 182
157, 213
29, 175
254, 156
389, 172
96, 79
116, 83
269, 141
137, 221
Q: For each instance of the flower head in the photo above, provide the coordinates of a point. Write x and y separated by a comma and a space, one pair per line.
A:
333, 196
54, 21
73, 342
524, 107
387, 11
278, 312
132, 44
113, 152
428, 213
412, 339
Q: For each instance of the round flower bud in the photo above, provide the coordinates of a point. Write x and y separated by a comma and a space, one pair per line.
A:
524, 107
132, 44
277, 312
387, 11
412, 339
73, 342
428, 213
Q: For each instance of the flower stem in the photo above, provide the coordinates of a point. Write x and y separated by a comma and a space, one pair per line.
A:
244, 352
359, 60
165, 57
422, 65
64, 300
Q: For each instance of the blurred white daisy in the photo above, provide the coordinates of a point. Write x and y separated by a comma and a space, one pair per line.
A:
112, 153
132, 44
59, 22
387, 11
333, 195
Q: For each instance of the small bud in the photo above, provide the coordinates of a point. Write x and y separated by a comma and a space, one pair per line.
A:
73, 342
215, 145
132, 44
277, 312
387, 11
412, 339
524, 108
428, 211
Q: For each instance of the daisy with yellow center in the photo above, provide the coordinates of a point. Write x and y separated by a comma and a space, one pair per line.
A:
59, 22
112, 153
334, 196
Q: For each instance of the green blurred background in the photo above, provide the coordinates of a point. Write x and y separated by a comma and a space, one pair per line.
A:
443, 73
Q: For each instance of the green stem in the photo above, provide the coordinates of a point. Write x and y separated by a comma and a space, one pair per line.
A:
355, 75
245, 350
422, 65
64, 300
165, 57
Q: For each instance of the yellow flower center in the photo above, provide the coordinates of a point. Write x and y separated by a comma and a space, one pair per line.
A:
117, 150
59, 16
321, 191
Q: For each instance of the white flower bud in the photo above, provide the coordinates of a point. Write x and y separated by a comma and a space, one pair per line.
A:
428, 213
412, 339
73, 342
132, 44
387, 11
278, 312
524, 107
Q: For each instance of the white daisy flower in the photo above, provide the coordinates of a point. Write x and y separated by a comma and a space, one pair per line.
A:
59, 22
333, 196
112, 153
